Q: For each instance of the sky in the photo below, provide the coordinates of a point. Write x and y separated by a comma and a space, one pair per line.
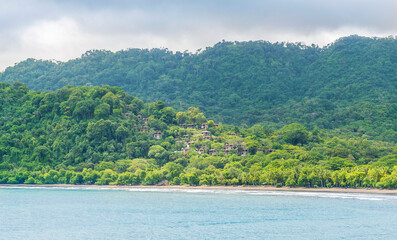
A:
63, 30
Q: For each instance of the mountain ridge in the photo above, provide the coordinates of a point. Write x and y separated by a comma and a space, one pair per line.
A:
245, 82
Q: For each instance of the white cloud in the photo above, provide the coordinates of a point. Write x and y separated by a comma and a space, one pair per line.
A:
62, 30
61, 39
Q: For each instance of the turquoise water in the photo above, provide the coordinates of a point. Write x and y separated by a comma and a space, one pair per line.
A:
56, 213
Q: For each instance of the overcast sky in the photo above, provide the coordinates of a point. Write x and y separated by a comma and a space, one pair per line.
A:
62, 30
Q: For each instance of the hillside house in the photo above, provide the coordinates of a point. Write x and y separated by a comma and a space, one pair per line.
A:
206, 133
212, 152
185, 150
204, 126
188, 144
269, 150
145, 120
139, 117
144, 129
201, 151
244, 152
157, 135
190, 126
182, 125
229, 146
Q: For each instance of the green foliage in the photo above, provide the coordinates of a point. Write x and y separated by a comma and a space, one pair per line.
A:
57, 137
348, 86
336, 163
295, 134
102, 110
387, 161
159, 153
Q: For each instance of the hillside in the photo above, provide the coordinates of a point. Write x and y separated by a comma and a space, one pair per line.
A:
349, 85
102, 135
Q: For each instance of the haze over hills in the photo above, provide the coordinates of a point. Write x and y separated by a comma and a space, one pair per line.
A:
349, 85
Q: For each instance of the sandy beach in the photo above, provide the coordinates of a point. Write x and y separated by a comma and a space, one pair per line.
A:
242, 188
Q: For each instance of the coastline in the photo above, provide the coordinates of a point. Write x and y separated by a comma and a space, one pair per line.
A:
224, 188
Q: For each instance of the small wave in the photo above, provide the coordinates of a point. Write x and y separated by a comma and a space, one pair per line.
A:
360, 196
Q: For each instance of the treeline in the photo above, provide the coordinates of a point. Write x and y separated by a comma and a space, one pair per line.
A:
349, 85
102, 135
287, 174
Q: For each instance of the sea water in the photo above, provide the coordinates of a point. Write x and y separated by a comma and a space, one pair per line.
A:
94, 213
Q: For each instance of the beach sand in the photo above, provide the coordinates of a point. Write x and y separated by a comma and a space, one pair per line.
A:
248, 188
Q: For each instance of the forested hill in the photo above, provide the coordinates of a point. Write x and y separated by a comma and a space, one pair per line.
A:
349, 85
102, 135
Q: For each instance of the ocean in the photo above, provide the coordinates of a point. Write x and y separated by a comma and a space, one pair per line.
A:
95, 213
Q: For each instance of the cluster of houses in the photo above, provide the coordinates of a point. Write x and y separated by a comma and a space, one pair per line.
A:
144, 127
230, 148
239, 149
192, 125
158, 134
205, 134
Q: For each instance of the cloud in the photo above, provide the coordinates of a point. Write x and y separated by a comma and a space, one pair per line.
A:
47, 29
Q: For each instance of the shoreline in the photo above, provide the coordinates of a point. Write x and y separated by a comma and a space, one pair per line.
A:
225, 188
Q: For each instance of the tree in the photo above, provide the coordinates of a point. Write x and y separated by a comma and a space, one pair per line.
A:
389, 161
84, 109
295, 133
42, 154
102, 111
181, 117
195, 116
168, 115
172, 170
336, 163
77, 179
108, 177
121, 133
152, 178
100, 129
159, 153
112, 100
